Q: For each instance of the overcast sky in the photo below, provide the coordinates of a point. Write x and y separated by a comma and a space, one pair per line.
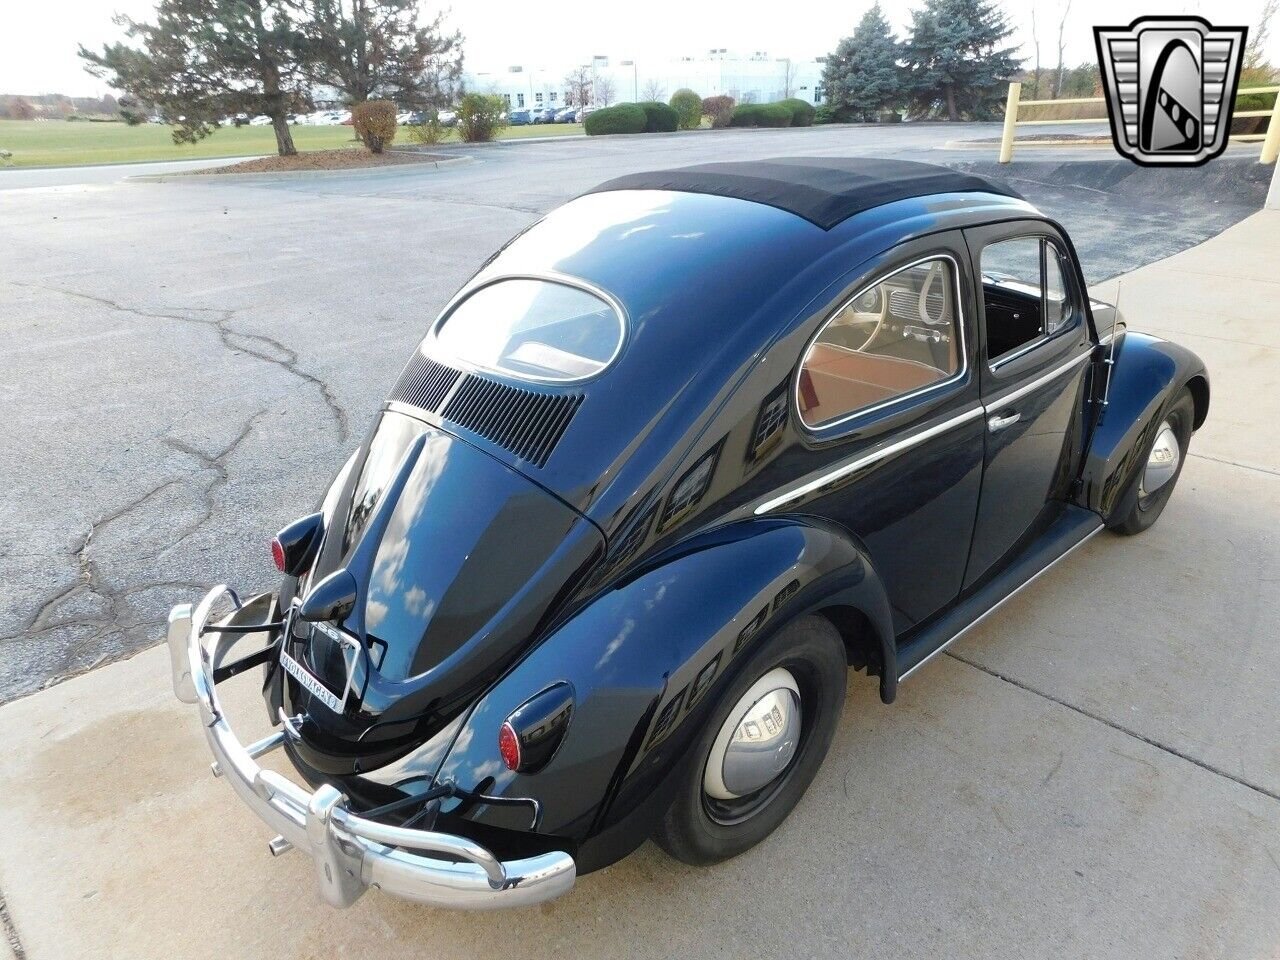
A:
38, 41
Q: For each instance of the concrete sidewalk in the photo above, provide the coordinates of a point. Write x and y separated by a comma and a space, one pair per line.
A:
1094, 771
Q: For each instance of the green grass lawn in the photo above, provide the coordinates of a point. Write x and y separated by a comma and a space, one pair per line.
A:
57, 143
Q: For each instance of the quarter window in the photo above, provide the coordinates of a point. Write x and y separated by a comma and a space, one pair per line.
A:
1025, 295
893, 339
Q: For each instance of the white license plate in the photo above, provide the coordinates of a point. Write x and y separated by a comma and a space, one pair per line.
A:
310, 683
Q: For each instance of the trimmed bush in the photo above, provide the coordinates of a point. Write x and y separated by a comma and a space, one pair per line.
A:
624, 118
375, 123
761, 115
659, 117
688, 105
801, 112
429, 131
481, 116
719, 109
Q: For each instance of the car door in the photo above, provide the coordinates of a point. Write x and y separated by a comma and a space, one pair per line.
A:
888, 439
1034, 352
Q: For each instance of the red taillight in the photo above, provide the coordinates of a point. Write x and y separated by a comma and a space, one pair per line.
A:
509, 746
277, 553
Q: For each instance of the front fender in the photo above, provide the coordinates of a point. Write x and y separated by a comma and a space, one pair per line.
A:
646, 660
1148, 373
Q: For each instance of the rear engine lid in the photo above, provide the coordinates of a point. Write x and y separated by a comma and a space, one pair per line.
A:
457, 559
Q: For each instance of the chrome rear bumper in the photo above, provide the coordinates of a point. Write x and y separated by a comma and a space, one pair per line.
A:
351, 853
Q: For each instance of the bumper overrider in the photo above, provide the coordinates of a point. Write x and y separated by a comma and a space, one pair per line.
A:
351, 853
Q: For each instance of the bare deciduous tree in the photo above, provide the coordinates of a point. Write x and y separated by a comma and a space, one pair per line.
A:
602, 90
1255, 54
653, 90
1062, 26
789, 73
1035, 44
577, 88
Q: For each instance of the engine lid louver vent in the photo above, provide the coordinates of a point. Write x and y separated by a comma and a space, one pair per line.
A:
424, 383
529, 423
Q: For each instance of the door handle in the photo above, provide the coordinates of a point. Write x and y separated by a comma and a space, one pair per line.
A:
999, 422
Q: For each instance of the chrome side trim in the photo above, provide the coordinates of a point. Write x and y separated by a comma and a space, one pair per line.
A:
868, 459
963, 348
1001, 602
1039, 381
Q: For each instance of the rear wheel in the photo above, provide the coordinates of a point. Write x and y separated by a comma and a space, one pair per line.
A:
765, 741
1165, 457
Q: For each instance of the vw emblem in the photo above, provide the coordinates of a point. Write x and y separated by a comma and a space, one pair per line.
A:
1171, 87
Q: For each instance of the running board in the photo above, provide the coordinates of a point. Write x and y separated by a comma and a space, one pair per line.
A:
1070, 531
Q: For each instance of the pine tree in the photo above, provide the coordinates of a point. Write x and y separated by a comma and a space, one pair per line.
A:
203, 60
956, 59
863, 76
378, 48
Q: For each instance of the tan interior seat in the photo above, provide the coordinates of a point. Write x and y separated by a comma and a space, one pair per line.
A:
835, 380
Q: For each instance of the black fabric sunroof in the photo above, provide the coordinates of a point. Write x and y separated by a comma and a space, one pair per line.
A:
823, 190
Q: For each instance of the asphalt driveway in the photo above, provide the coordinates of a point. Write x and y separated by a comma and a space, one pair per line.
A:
187, 362
1095, 771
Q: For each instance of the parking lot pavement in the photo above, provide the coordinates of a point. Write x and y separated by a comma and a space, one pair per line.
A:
1093, 771
186, 364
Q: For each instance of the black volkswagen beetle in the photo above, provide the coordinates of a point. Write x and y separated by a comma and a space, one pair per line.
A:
672, 462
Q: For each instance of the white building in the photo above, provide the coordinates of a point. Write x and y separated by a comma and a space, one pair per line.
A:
753, 78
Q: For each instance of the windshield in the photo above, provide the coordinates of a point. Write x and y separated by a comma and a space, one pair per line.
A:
532, 329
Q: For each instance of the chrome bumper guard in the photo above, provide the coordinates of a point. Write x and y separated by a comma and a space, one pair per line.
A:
351, 853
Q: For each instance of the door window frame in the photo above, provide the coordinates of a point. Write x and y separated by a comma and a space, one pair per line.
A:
1046, 242
1044, 349
842, 426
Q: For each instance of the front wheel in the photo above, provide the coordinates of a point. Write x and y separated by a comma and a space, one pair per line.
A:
1161, 469
762, 746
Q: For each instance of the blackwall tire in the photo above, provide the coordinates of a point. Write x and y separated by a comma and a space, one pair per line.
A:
699, 828
1141, 508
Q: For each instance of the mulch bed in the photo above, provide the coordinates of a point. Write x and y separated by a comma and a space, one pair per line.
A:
345, 159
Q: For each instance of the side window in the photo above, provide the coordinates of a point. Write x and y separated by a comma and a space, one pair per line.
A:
1057, 309
894, 338
1024, 293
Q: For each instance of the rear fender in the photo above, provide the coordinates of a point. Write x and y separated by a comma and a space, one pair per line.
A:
646, 660
1147, 376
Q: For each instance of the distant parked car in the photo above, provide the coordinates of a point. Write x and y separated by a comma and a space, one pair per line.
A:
520, 118
260, 121
449, 118
567, 115
404, 117
544, 114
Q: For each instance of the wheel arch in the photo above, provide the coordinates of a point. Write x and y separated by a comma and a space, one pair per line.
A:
647, 660
1146, 377
1199, 387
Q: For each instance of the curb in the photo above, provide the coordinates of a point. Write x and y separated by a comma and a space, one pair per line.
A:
196, 176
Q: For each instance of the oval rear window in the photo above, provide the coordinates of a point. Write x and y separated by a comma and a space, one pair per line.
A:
532, 329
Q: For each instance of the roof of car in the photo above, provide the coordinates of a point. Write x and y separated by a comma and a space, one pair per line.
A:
823, 190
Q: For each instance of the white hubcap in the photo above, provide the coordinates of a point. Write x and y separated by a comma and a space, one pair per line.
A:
758, 738
1162, 463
